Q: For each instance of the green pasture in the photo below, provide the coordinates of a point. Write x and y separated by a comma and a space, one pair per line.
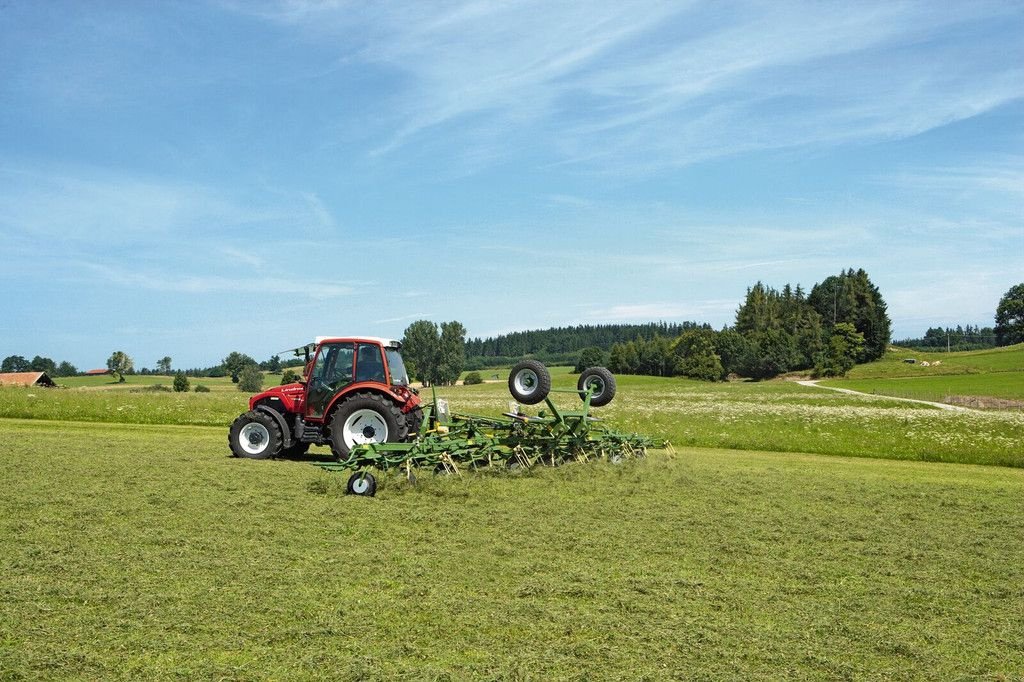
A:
135, 382
1007, 359
1004, 385
145, 552
949, 377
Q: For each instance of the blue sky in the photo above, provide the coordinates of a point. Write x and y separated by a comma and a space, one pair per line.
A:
187, 179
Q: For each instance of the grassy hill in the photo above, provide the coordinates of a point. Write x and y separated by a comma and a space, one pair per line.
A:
966, 377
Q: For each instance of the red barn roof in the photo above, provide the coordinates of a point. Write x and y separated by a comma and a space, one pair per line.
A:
94, 372
25, 379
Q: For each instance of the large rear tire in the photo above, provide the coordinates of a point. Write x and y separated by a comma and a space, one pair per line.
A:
601, 381
529, 382
255, 435
362, 419
413, 422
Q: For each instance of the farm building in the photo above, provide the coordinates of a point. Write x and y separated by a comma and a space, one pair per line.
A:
26, 379
96, 372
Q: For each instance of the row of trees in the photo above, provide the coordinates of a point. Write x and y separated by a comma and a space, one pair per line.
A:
436, 357
561, 344
961, 337
17, 363
841, 322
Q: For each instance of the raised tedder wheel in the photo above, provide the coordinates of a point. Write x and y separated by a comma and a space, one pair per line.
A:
601, 382
529, 382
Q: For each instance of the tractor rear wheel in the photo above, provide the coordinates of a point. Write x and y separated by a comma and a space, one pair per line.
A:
413, 421
529, 382
363, 419
255, 435
601, 382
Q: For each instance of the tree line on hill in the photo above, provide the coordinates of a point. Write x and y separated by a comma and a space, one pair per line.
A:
842, 321
961, 337
562, 345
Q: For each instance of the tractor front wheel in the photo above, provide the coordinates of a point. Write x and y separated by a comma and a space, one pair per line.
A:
255, 435
363, 419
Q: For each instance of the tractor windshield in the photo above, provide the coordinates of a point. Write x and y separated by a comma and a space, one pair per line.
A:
399, 377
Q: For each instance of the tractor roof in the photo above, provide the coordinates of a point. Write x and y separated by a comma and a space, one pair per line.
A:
370, 339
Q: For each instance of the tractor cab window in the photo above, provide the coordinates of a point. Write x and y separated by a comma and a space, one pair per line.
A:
332, 371
399, 377
369, 363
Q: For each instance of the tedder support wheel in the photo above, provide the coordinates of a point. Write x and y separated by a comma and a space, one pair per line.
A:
601, 382
529, 382
255, 435
365, 418
361, 483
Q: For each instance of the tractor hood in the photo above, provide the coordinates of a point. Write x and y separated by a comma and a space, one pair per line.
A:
289, 394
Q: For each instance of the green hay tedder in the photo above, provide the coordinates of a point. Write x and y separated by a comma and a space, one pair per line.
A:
449, 442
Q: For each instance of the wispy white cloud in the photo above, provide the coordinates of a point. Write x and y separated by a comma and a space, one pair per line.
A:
696, 310
209, 284
641, 86
110, 207
403, 318
1005, 176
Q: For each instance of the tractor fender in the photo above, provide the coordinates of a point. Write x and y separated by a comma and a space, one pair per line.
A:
286, 432
364, 387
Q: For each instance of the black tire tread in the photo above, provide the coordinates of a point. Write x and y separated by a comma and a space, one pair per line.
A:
276, 437
543, 377
398, 429
609, 385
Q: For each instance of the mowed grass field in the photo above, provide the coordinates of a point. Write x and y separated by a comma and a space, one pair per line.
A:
145, 552
813, 535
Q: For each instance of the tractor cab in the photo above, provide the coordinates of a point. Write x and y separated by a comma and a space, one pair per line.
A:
340, 365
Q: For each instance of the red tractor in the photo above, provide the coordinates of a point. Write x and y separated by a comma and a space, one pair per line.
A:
356, 391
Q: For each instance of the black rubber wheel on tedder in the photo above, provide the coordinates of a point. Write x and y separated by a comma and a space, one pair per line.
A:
361, 483
255, 435
365, 418
601, 381
529, 382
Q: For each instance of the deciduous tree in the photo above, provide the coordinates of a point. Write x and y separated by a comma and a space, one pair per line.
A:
420, 345
1010, 317
15, 363
120, 363
250, 379
589, 357
235, 362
